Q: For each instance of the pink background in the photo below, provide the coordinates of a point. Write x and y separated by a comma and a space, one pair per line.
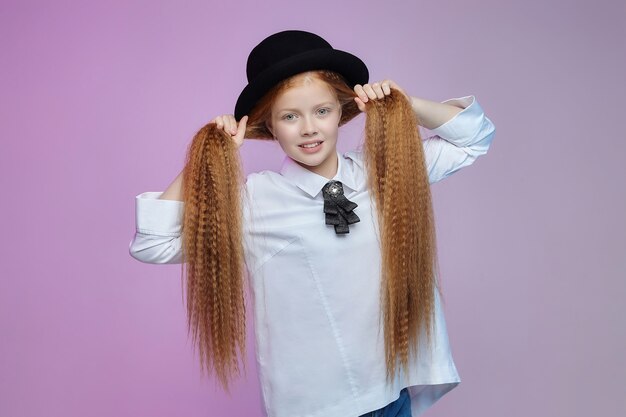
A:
99, 102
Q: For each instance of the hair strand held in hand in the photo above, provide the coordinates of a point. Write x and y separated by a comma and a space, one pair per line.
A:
213, 228
400, 189
213, 251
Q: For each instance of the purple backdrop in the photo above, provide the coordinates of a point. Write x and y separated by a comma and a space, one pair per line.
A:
99, 102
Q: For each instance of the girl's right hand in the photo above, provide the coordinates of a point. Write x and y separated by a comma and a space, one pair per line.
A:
229, 125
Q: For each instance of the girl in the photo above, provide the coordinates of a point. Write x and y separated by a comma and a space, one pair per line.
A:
339, 250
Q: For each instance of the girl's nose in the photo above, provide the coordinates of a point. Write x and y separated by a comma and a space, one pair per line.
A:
308, 127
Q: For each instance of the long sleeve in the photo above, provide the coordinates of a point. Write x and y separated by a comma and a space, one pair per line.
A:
458, 142
157, 238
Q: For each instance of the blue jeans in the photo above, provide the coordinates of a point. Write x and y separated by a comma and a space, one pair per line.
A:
398, 408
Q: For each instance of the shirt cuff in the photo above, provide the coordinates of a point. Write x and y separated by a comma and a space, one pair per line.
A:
158, 217
464, 126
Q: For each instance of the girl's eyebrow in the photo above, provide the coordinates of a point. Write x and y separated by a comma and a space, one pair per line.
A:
321, 104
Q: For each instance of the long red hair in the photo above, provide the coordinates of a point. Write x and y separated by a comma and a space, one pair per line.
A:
213, 185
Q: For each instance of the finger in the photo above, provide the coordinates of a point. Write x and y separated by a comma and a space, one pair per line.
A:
219, 122
378, 90
241, 129
229, 125
360, 92
226, 123
386, 88
235, 126
359, 104
370, 91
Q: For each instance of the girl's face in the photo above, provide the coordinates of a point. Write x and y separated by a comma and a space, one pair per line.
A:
308, 112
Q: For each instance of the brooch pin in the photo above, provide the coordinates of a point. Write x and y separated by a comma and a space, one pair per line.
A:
338, 209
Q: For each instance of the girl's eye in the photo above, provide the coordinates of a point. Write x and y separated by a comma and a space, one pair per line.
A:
324, 111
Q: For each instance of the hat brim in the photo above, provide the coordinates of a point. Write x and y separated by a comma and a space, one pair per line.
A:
349, 66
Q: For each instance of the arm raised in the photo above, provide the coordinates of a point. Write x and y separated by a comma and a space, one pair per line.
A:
459, 141
158, 237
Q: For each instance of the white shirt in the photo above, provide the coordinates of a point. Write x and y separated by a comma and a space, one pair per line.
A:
320, 347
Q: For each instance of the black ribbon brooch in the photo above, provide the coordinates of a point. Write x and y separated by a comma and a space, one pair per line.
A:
338, 208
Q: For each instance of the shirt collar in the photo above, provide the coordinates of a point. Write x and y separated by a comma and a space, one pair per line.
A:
312, 183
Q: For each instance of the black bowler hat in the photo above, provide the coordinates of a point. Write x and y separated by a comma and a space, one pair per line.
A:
288, 53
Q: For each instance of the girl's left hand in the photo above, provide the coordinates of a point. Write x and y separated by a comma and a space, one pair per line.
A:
375, 91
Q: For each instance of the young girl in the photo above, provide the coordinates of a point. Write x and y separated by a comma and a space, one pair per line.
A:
339, 250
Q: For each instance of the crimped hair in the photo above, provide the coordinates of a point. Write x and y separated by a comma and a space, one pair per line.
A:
213, 186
